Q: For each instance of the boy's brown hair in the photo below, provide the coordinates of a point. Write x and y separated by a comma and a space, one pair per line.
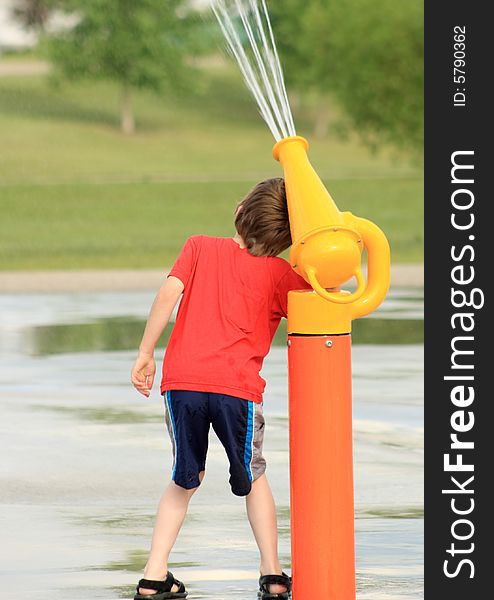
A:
262, 219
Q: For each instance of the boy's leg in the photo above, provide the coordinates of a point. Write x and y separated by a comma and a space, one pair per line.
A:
189, 437
261, 511
234, 420
169, 518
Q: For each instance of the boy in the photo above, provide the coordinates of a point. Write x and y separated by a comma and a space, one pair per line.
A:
234, 295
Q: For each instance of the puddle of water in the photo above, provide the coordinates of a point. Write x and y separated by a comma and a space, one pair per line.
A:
103, 415
88, 458
53, 323
121, 333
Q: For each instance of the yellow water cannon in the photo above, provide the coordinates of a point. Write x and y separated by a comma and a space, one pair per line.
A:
327, 244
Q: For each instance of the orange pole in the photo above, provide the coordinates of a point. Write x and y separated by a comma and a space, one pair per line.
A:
321, 467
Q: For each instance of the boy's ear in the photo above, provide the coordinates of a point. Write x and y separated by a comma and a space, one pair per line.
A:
238, 209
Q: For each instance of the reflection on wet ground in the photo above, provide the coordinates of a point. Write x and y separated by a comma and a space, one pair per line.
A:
398, 322
88, 459
122, 333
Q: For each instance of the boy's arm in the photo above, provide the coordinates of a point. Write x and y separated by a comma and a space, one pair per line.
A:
159, 315
144, 369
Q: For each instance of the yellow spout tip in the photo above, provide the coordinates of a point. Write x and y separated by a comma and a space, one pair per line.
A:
289, 140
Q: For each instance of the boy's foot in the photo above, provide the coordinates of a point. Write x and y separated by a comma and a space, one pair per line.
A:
146, 591
275, 585
166, 586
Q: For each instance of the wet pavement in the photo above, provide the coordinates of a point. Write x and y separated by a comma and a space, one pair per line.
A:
88, 457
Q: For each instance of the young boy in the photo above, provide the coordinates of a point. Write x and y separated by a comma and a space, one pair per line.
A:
234, 295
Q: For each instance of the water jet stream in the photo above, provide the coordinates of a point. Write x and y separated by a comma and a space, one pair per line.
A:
258, 59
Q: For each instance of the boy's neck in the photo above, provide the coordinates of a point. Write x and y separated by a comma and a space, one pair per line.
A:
238, 238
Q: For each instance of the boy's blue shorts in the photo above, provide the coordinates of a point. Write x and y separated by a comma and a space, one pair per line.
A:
238, 423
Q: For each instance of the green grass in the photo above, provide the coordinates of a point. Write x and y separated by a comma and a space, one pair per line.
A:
136, 225
76, 193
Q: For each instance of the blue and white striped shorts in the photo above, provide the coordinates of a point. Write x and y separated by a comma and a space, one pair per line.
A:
238, 423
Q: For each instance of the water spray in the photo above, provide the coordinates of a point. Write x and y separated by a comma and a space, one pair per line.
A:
327, 247
258, 59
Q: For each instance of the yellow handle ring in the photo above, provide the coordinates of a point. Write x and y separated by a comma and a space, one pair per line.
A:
337, 298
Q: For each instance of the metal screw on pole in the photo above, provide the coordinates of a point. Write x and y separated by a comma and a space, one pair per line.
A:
329, 343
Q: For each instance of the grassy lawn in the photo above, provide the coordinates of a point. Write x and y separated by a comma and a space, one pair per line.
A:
76, 193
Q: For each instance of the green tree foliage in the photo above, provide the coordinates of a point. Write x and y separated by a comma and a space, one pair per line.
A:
32, 14
137, 44
367, 54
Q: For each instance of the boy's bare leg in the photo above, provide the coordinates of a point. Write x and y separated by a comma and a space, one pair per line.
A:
261, 511
169, 518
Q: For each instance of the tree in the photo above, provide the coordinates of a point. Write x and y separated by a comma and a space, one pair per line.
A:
33, 14
368, 55
138, 45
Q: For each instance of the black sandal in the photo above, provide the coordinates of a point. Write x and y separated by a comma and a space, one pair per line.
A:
163, 588
266, 580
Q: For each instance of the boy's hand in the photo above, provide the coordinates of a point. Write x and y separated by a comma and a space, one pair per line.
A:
143, 373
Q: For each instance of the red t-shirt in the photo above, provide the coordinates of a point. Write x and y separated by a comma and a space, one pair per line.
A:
231, 306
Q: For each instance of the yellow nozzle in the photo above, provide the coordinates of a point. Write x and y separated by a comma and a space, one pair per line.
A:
326, 243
